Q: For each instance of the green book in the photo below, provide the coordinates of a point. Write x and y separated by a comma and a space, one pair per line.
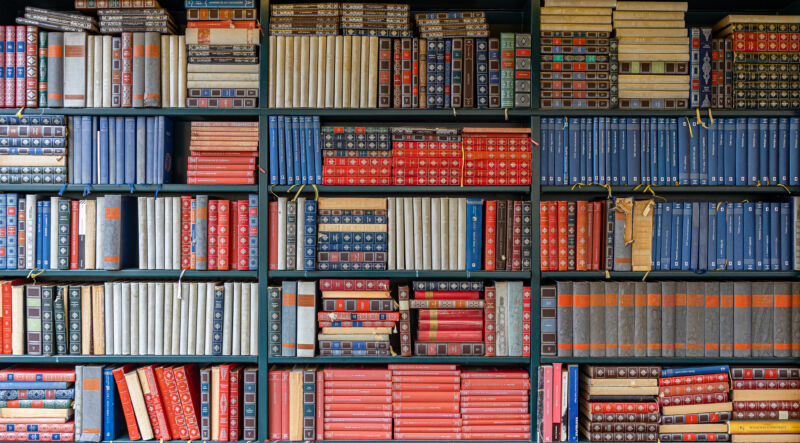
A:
49, 403
43, 69
507, 70
74, 323
60, 320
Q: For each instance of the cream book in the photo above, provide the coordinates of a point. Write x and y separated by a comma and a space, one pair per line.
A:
408, 227
624, 5
575, 11
643, 238
391, 216
355, 71
575, 27
143, 322
177, 304
654, 87
654, 41
418, 220
649, 24
244, 330
169, 301
208, 76
696, 409
165, 71
221, 36
89, 68
330, 69
426, 233
151, 317
654, 58
192, 319
694, 428
227, 319
400, 233
367, 203
588, 19
462, 234
363, 87
372, 81
650, 32
158, 330
580, 3
280, 70
347, 65
297, 60
106, 80
301, 92
98, 321
740, 18
224, 84
295, 409
33, 160
647, 49
288, 72
648, 15
98, 71
436, 231
183, 338
18, 319
760, 394
322, 46
444, 223
86, 320
356, 294
133, 320
224, 69
236, 321
313, 67
31, 414
200, 315
452, 234
182, 63
338, 72
272, 69
214, 394
139, 406
253, 319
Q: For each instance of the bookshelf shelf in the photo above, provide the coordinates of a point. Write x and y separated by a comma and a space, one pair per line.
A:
99, 274
113, 359
672, 275
672, 360
137, 189
329, 189
468, 115
690, 113
398, 359
468, 275
179, 113
673, 190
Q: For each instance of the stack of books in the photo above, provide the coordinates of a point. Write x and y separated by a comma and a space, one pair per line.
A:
654, 72
116, 20
452, 331
349, 414
765, 403
120, 150
764, 53
57, 20
575, 55
304, 19
297, 153
352, 220
223, 67
426, 401
39, 404
621, 391
224, 16
369, 165
452, 24
223, 153
33, 149
494, 404
353, 338
371, 19
496, 156
694, 404
426, 156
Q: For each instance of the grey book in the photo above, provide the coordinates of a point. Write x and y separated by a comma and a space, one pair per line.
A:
654, 319
60, 320
138, 72
152, 69
522, 65
795, 319
597, 319
55, 69
726, 319
712, 334
625, 319
680, 318
141, 149
622, 251
580, 319
514, 330
668, 319
201, 233
742, 318
33, 319
249, 401
205, 403
782, 334
274, 323
563, 318
640, 319
74, 71
762, 319
91, 402
113, 234
291, 235
695, 328
77, 404
47, 320
612, 316
289, 319
74, 322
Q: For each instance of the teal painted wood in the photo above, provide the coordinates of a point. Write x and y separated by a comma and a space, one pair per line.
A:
134, 189
84, 274
535, 273
470, 275
672, 360
477, 360
779, 191
384, 190
263, 259
175, 113
672, 275
114, 359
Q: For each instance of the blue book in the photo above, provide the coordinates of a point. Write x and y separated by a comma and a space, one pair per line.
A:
599, 152
761, 229
448, 51
281, 148
39, 232
85, 155
95, 171
729, 237
482, 73
474, 233
103, 151
274, 177
748, 227
663, 157
672, 129
622, 147
151, 152
3, 233
785, 227
632, 146
302, 149
586, 146
656, 250
753, 156
289, 145
308, 127
310, 236
775, 245
711, 260
112, 150
11, 239
655, 151
573, 144
683, 151
544, 154
606, 179
702, 151
702, 248
592, 140
613, 156
720, 128
552, 172
17, 385
165, 142
141, 148
677, 232
644, 141
742, 156
783, 151
772, 141
574, 394
738, 232
112, 413
794, 151
729, 152
130, 150
695, 246
559, 152
694, 154
686, 237
289, 318
297, 149
72, 154
45, 222
696, 370
712, 154
666, 236
252, 240
217, 323
317, 149
722, 229
763, 151
119, 150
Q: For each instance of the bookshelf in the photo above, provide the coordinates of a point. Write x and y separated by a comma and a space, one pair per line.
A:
503, 15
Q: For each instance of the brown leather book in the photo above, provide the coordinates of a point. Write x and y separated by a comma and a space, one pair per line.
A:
468, 91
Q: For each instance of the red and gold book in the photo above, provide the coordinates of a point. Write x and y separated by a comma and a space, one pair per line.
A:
274, 419
447, 295
499, 384
347, 284
426, 429
693, 399
357, 399
364, 410
490, 234
186, 231
285, 401
702, 388
526, 321
228, 172
582, 237
468, 403
242, 246
449, 325
489, 322
320, 405
199, 161
220, 180
552, 234
224, 401
357, 374
357, 426
152, 398
450, 335
37, 375
213, 234
235, 405
172, 402
562, 236
450, 314
358, 435
495, 373
496, 421
598, 239
186, 381
357, 391
193, 223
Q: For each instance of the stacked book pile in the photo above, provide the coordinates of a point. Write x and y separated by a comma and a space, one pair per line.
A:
375, 19
722, 73
39, 404
654, 56
369, 164
496, 156
349, 414
57, 20
33, 149
449, 318
116, 20
765, 403
223, 153
494, 404
120, 150
223, 16
426, 156
452, 24
291, 19
576, 64
355, 337
623, 392
223, 68
765, 57
670, 151
353, 221
153, 317
426, 401
701, 392
296, 152
669, 319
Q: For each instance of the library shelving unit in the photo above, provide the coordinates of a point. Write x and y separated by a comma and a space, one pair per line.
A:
503, 16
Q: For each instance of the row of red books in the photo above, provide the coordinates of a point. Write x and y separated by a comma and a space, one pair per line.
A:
223, 153
572, 235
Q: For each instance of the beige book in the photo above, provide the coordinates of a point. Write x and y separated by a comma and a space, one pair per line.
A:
566, 19
408, 231
418, 230
621, 390
654, 41
694, 428
400, 233
347, 55
363, 87
364, 337
214, 391
352, 227
761, 394
452, 235
575, 27
391, 240
98, 71
462, 234
229, 77
165, 72
681, 93
313, 63
655, 87
33, 160
296, 404
18, 320
182, 71
650, 32
580, 3
337, 79
444, 222
352, 203
357, 330
641, 253
748, 18
273, 42
91, 228
330, 69
322, 56
302, 91
35, 413
226, 69
765, 438
296, 67
86, 319
697, 409
250, 84
649, 382
139, 406
427, 250
280, 60
654, 57
372, 81
575, 11
356, 294
647, 49
355, 71
98, 320
174, 61
288, 73
649, 24
436, 234
90, 70
655, 78
625, 5
648, 15
195, 36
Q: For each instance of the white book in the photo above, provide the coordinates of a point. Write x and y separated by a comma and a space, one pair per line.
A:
127, 313
418, 221
391, 234
89, 69
244, 335
300, 246
176, 233
168, 232
100, 222
236, 321
253, 318
273, 41
98, 71
452, 212
426, 233
337, 72
462, 234
75, 69
408, 227
302, 91
106, 71
184, 319
177, 327
209, 320
192, 328
141, 205
158, 331
30, 231
436, 229
143, 314
306, 318
151, 233
372, 101
288, 73
282, 233
313, 63
53, 232
182, 71
363, 87
169, 299
355, 71
151, 317
174, 61
18, 320
444, 233
330, 69
297, 85
280, 71
133, 321
227, 318
117, 302
200, 319
165, 71
320, 76
159, 228
108, 317
346, 64
501, 318
82, 210
400, 233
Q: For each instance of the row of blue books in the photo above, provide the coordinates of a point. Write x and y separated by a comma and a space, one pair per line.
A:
740, 236
295, 151
120, 150
670, 151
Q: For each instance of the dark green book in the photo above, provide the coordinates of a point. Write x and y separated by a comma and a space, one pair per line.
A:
60, 320
74, 310
47, 320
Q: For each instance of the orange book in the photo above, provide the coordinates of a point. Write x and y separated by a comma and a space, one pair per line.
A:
562, 235
221, 166
358, 384
426, 407
172, 402
496, 436
357, 399
220, 181
358, 435
582, 237
496, 421
357, 426
427, 422
332, 374
433, 379
523, 398
426, 396
361, 413
425, 386
222, 160
274, 419
493, 404
427, 436
426, 429
221, 173
357, 391
496, 428
386, 406
203, 154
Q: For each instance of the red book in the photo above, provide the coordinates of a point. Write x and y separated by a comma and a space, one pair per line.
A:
694, 399
125, 401
526, 321
220, 180
74, 214
547, 426
426, 396
198, 161
243, 236
6, 317
562, 236
489, 321
490, 233
432, 379
544, 224
186, 232
516, 243
19, 92
235, 405
228, 172
358, 435
212, 234
285, 401
449, 335
598, 239
453, 314
618, 407
582, 237
320, 412
556, 399
500, 384
552, 234
193, 224
273, 234
31, 66
397, 80
701, 388
155, 407
221, 166
172, 402
186, 381
224, 401
450, 325
447, 295
494, 373
223, 234
274, 419
11, 63
360, 284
